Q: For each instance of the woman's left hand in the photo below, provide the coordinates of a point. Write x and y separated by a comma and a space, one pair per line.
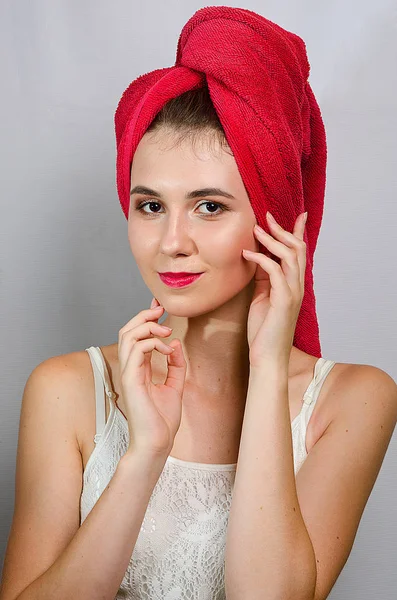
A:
278, 293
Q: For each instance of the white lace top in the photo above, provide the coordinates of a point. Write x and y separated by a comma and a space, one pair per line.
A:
179, 553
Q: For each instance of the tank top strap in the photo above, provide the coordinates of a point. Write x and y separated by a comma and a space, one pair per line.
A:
321, 370
101, 379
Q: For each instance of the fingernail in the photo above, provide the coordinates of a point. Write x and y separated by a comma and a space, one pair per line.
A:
305, 217
270, 217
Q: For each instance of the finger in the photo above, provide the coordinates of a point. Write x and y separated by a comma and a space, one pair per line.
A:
278, 280
299, 227
176, 367
154, 303
149, 314
281, 249
133, 373
138, 357
130, 337
298, 231
290, 263
294, 240
142, 317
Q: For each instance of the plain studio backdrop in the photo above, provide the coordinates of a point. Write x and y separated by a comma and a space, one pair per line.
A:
68, 278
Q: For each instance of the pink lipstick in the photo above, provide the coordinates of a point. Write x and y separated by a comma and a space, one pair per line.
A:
177, 280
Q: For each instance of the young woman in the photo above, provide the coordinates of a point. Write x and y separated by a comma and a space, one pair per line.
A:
213, 459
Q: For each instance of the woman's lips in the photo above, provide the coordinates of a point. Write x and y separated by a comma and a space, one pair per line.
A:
179, 280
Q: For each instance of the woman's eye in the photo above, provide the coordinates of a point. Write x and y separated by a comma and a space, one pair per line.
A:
222, 207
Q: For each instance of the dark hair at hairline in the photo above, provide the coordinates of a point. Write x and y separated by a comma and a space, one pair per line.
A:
189, 116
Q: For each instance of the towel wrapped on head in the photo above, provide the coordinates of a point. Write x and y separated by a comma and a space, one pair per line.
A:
257, 76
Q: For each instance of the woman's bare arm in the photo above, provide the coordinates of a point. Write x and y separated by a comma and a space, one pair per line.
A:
94, 563
49, 555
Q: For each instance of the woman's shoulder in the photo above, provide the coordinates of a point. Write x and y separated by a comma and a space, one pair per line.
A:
343, 390
79, 363
356, 380
353, 388
350, 377
76, 382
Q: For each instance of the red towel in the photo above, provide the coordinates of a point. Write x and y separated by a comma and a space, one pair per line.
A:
257, 76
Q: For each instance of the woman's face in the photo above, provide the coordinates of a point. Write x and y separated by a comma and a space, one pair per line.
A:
175, 233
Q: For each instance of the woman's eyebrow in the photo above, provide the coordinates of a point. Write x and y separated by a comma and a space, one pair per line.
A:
210, 191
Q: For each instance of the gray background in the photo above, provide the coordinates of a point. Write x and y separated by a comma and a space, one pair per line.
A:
68, 279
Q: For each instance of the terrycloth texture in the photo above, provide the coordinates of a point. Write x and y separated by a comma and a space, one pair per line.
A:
257, 76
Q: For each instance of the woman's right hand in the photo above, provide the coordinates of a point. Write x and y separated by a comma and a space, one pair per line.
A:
153, 411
